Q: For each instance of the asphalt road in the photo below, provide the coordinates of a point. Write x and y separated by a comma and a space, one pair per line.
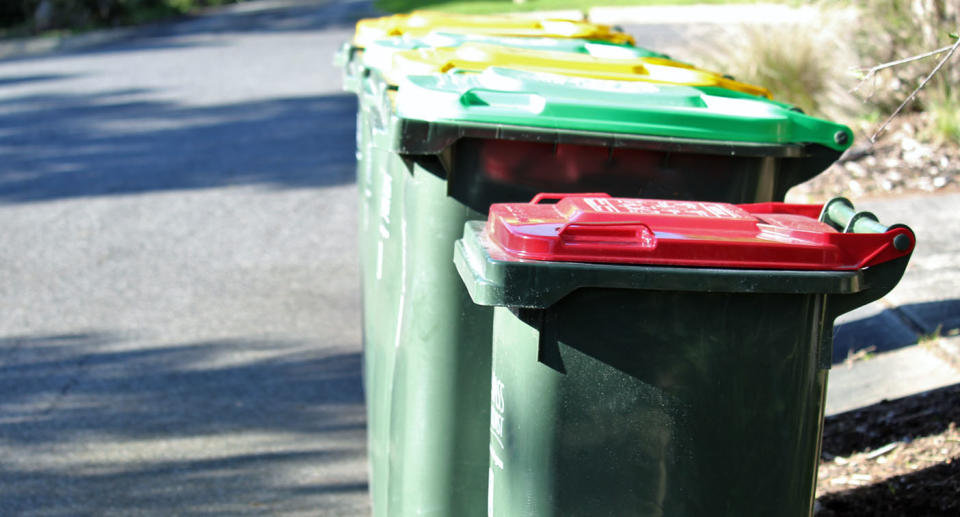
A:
178, 291
179, 329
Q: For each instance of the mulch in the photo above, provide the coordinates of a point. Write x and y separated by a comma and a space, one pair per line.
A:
894, 458
901, 161
898, 457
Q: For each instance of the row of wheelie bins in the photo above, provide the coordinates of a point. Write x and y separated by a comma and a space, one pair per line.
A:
582, 293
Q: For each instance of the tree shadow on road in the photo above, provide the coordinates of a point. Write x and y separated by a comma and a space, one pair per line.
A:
228, 427
247, 17
280, 17
64, 146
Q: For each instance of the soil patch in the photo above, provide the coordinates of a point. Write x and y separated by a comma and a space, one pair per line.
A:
895, 458
900, 162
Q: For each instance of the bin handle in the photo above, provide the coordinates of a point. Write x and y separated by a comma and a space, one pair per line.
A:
840, 213
632, 234
878, 281
883, 270
557, 196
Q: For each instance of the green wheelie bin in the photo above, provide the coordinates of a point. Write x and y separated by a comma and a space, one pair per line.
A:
666, 358
476, 57
379, 54
458, 143
421, 25
378, 180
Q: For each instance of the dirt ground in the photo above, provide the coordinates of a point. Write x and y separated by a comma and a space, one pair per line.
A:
899, 457
895, 458
901, 162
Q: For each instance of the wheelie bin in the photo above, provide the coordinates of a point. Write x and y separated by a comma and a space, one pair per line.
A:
377, 180
419, 24
405, 29
381, 75
666, 358
377, 86
476, 57
379, 54
457, 143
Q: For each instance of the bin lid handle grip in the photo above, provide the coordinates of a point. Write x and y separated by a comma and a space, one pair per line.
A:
634, 234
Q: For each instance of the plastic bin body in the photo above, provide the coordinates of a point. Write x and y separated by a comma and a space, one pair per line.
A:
683, 411
652, 390
436, 445
380, 182
349, 58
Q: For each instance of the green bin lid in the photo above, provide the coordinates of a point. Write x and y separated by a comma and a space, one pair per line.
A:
503, 96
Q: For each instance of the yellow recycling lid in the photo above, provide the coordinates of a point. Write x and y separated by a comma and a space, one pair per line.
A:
420, 23
476, 57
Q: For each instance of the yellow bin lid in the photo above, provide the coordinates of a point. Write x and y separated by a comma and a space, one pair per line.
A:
476, 57
419, 23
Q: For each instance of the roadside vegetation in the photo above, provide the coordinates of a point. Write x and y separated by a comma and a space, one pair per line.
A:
893, 30
888, 68
863, 67
36, 17
825, 70
510, 6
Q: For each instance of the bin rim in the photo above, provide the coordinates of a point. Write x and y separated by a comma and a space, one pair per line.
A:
506, 97
415, 137
539, 284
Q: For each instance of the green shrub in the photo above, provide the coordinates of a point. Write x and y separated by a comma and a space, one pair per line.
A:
803, 63
944, 118
892, 30
788, 61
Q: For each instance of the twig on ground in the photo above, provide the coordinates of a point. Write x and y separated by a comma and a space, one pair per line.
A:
883, 450
859, 355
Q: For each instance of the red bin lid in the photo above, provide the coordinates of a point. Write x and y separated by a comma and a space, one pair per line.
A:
601, 229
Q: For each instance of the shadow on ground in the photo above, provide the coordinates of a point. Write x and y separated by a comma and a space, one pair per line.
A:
63, 146
871, 427
896, 328
163, 420
931, 491
280, 16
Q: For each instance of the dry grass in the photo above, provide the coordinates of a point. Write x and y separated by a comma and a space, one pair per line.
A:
803, 64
